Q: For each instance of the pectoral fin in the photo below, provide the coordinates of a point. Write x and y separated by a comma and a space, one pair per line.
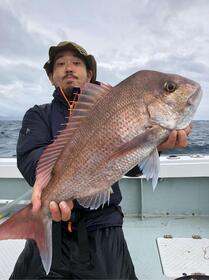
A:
150, 167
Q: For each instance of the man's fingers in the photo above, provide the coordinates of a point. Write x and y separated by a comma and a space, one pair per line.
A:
181, 139
188, 129
176, 139
61, 211
70, 203
170, 142
55, 211
36, 205
65, 211
36, 200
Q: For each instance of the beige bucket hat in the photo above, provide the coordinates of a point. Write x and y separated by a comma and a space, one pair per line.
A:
66, 45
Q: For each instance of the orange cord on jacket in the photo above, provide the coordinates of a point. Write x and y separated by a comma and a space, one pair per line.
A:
71, 106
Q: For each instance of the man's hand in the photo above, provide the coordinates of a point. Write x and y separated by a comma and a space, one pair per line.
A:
176, 139
59, 212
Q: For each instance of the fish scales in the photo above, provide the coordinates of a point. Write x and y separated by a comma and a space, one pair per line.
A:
119, 128
104, 132
103, 135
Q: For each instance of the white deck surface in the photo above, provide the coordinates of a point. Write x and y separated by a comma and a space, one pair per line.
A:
9, 252
186, 256
141, 235
141, 239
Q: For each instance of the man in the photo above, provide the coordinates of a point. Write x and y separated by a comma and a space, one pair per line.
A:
91, 245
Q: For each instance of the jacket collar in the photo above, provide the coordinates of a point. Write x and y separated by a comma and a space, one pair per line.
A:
69, 94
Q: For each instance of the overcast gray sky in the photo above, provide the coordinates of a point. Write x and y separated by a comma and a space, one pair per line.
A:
124, 36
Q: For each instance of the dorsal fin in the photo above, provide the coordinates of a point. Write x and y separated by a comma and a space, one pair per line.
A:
87, 99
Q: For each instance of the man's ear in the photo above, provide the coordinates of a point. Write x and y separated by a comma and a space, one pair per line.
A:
50, 76
89, 75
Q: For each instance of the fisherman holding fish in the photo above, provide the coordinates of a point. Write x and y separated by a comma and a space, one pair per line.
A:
85, 238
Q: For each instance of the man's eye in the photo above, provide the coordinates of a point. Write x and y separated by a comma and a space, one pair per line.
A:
60, 63
76, 62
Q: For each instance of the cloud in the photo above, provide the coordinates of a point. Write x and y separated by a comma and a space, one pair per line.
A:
124, 36
16, 39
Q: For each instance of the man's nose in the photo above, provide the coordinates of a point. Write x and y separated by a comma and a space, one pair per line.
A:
69, 67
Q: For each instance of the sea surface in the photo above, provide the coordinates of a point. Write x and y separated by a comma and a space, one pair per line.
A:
198, 139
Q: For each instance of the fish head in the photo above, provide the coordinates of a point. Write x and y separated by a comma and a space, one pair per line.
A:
171, 100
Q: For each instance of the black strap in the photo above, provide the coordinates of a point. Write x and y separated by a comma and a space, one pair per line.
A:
56, 244
83, 241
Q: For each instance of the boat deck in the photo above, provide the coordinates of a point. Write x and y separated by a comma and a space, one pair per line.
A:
178, 207
141, 239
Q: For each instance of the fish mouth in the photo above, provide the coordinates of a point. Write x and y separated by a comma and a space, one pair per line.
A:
195, 98
193, 102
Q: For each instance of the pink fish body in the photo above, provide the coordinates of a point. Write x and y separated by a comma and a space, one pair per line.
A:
110, 130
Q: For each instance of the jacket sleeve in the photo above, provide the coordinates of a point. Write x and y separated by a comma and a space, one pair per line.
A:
134, 172
34, 136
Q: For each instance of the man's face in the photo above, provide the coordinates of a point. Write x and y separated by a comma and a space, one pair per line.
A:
69, 71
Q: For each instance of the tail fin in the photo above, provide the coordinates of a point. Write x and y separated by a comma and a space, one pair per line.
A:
25, 225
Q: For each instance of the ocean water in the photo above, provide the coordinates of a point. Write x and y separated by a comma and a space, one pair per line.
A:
198, 139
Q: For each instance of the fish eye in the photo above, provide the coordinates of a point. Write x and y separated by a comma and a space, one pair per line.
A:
170, 86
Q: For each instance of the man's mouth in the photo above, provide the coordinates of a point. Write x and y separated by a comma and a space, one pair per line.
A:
70, 77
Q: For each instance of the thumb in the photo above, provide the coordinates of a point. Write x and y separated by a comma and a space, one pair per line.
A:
36, 200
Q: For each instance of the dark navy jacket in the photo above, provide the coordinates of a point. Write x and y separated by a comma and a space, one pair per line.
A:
39, 127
